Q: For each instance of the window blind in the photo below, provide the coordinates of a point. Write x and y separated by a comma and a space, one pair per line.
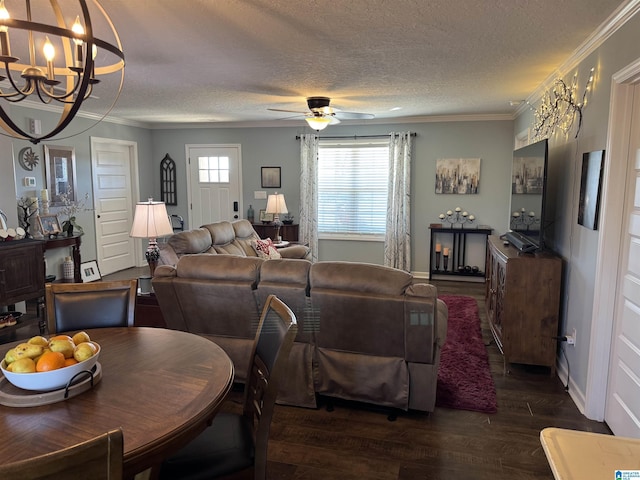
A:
352, 187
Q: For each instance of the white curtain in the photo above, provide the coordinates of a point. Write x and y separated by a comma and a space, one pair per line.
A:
397, 242
309, 193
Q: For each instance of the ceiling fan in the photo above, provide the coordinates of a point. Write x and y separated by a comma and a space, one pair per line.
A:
321, 114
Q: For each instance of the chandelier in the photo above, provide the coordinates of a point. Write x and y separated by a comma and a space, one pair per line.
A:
52, 56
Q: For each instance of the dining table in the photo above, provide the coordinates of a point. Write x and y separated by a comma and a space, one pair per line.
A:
162, 387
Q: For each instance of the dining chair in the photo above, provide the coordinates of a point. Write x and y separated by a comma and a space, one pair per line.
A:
100, 458
235, 445
76, 306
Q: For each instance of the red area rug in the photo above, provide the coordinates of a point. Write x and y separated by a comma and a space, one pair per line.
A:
464, 377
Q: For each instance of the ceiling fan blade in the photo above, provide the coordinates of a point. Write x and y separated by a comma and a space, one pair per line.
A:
354, 115
288, 111
334, 120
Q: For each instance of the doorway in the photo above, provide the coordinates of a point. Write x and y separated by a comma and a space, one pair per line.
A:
614, 360
114, 167
214, 188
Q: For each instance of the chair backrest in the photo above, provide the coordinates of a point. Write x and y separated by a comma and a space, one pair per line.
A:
100, 458
270, 357
76, 306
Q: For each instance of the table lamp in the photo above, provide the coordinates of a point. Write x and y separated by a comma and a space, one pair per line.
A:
151, 221
277, 205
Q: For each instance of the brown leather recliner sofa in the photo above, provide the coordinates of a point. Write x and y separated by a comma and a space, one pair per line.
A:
365, 332
220, 238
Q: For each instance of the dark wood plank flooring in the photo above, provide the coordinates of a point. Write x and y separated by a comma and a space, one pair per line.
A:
354, 442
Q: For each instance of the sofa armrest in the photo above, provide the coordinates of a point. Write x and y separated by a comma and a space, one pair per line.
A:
425, 323
165, 271
168, 255
295, 251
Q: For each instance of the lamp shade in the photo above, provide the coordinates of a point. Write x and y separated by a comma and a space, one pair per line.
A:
318, 123
276, 204
150, 220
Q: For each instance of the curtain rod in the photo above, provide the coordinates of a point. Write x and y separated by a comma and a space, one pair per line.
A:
355, 137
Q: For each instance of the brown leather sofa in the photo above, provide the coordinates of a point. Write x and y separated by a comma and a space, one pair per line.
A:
366, 332
223, 238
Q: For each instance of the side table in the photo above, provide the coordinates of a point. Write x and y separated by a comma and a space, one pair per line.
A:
147, 312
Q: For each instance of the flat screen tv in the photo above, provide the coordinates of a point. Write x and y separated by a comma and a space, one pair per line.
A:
528, 197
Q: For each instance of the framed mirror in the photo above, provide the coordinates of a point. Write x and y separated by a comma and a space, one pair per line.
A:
61, 174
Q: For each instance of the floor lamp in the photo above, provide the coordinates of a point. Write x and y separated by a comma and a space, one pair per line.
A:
150, 221
277, 205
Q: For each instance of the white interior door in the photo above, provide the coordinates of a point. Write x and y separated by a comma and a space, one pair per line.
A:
114, 169
622, 412
215, 192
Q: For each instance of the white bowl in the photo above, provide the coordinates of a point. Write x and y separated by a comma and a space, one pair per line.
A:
53, 380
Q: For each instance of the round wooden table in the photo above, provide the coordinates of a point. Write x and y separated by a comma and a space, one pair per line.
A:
161, 386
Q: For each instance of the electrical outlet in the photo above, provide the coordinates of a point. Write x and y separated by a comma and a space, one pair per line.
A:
571, 339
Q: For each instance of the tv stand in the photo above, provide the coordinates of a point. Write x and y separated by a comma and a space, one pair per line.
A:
522, 299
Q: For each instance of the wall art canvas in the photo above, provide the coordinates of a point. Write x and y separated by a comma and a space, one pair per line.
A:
458, 175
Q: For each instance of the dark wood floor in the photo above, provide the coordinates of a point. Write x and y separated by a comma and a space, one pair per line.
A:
354, 443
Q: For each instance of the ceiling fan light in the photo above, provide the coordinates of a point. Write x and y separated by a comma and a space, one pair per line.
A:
318, 123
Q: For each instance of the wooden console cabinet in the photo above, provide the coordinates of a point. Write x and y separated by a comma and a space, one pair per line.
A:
268, 230
523, 303
21, 270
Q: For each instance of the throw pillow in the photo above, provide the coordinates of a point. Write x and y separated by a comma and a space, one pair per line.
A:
265, 249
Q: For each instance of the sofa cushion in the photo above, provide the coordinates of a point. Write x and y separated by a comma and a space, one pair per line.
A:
229, 268
359, 277
193, 241
223, 239
265, 249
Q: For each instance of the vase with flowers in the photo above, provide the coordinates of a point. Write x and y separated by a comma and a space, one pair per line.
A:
70, 209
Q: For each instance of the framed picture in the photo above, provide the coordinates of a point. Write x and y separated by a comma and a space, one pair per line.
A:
60, 165
266, 217
90, 271
459, 176
590, 186
270, 177
49, 224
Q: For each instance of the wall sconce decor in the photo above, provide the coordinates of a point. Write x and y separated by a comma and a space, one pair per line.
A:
457, 218
559, 108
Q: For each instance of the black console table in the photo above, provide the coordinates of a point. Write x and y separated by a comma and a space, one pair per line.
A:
73, 242
457, 252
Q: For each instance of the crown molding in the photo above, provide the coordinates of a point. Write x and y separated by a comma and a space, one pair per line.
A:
625, 12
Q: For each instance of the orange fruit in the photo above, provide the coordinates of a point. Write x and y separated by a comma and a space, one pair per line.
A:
69, 361
50, 361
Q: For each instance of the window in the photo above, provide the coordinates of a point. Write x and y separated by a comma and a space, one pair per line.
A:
352, 189
213, 169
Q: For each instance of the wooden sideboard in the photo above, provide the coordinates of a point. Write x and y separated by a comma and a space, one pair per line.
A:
523, 303
21, 270
268, 230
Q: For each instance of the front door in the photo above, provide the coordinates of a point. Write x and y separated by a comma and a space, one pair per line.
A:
114, 163
215, 192
622, 412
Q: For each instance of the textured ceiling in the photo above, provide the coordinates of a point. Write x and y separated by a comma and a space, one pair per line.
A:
231, 60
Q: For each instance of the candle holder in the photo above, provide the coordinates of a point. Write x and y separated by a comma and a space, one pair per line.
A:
457, 218
446, 262
438, 261
521, 220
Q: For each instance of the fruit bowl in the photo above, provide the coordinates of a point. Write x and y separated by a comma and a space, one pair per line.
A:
52, 380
